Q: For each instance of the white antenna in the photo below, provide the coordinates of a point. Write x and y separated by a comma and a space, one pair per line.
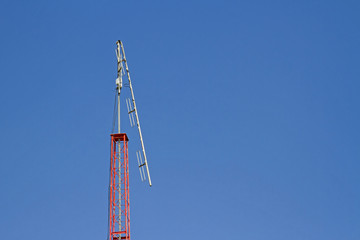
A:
119, 83
131, 106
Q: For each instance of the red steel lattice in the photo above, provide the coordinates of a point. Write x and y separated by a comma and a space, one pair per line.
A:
119, 222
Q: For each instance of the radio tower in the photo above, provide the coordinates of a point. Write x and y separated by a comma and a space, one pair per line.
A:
119, 206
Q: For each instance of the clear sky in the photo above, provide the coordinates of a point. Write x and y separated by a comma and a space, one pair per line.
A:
249, 109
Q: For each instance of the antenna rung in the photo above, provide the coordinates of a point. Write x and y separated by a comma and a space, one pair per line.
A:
141, 170
130, 112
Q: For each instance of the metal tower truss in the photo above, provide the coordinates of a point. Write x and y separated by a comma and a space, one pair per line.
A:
119, 224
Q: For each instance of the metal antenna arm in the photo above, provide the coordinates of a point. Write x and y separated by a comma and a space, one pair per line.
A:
136, 113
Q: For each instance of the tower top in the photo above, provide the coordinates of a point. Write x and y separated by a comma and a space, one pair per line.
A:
120, 136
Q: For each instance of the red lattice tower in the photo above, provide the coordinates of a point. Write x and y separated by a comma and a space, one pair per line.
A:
119, 188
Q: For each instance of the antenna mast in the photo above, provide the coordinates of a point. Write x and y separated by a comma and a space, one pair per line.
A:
119, 209
119, 79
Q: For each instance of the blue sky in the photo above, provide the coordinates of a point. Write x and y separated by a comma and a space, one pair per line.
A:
249, 109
